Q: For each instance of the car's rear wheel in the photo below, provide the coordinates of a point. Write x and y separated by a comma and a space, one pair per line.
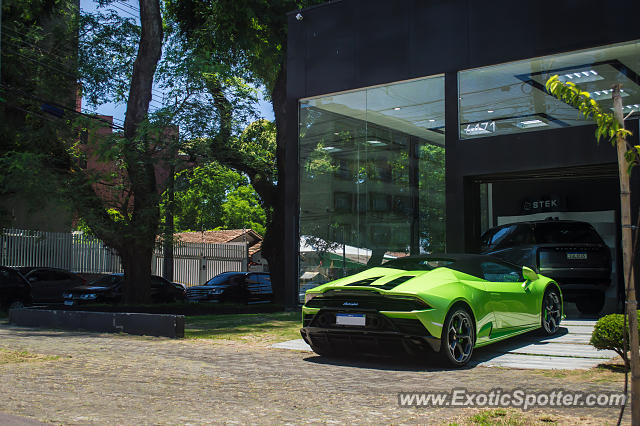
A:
551, 314
458, 337
591, 304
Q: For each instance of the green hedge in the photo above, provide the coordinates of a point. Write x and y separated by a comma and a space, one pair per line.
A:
607, 334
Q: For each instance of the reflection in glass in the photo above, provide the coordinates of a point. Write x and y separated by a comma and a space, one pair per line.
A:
511, 98
371, 178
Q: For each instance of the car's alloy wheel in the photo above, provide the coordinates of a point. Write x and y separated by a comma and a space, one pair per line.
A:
458, 337
551, 311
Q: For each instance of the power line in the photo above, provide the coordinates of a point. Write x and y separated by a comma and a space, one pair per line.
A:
70, 49
69, 73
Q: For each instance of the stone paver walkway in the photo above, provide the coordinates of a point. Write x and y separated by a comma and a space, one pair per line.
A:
568, 350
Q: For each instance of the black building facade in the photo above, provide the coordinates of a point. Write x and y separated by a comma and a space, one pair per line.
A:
423, 123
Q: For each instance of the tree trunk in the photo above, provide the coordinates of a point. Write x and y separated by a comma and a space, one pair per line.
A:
136, 261
627, 253
167, 269
143, 226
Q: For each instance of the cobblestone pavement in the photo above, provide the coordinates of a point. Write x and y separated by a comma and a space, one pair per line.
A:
120, 379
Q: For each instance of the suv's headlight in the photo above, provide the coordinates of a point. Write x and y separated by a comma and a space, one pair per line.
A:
308, 296
67, 295
216, 291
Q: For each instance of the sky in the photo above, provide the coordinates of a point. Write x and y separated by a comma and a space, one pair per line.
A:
128, 8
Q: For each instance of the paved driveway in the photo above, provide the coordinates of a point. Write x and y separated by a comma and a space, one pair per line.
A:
568, 350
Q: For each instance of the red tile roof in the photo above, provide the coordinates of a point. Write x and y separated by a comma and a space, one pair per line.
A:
218, 237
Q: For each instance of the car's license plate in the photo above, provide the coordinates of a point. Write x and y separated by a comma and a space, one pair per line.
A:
351, 319
68, 302
577, 256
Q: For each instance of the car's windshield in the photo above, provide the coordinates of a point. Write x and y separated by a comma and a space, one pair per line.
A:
107, 281
564, 232
417, 263
221, 279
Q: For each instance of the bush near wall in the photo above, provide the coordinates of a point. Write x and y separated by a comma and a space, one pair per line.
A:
607, 334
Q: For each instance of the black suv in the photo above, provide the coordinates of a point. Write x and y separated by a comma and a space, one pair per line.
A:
15, 291
570, 252
239, 287
108, 289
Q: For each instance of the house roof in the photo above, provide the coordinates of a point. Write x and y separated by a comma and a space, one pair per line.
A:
220, 237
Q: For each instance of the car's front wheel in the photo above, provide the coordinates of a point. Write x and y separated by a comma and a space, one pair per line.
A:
551, 311
458, 337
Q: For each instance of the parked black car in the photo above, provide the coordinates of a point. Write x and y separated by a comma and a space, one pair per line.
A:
239, 287
15, 291
108, 289
48, 284
571, 252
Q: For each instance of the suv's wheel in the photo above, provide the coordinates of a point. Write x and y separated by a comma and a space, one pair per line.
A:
551, 314
591, 304
16, 304
458, 337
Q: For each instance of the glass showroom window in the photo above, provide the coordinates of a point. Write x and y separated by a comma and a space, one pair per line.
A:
371, 177
511, 98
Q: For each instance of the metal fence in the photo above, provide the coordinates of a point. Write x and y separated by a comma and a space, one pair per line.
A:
73, 251
193, 263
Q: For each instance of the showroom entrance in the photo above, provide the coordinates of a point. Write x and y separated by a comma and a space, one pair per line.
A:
586, 194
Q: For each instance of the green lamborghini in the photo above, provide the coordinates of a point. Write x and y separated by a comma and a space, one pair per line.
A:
449, 304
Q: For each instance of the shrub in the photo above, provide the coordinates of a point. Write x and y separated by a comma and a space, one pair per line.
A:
607, 334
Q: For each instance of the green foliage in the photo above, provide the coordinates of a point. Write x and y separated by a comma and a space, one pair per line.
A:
242, 210
199, 195
608, 126
213, 196
608, 334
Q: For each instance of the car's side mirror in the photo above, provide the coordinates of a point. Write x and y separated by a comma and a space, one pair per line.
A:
529, 274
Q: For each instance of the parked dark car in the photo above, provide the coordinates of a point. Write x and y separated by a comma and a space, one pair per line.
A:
239, 287
570, 252
15, 291
48, 284
108, 289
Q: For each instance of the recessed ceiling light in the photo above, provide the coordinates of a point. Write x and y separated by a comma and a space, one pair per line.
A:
431, 120
581, 77
605, 94
396, 109
527, 124
630, 107
490, 111
376, 143
336, 133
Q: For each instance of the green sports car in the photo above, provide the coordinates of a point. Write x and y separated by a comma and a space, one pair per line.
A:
447, 303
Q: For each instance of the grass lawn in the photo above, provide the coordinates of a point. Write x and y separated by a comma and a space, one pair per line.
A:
609, 372
267, 327
516, 417
10, 357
